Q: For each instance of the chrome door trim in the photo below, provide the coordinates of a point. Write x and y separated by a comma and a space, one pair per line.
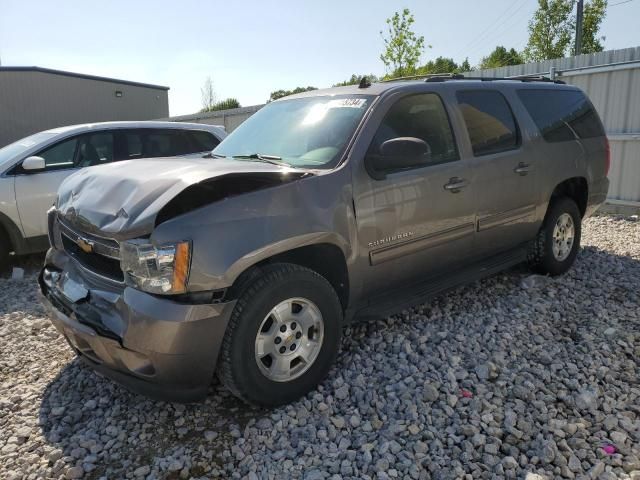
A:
423, 242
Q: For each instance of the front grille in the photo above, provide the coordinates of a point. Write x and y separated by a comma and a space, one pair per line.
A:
102, 260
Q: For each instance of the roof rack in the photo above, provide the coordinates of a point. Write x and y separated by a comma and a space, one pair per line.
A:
444, 77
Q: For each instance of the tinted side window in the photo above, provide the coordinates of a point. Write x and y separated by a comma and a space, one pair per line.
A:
133, 145
421, 116
489, 120
157, 144
165, 143
61, 155
95, 149
202, 141
560, 113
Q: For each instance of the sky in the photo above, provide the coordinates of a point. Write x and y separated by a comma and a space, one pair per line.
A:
251, 48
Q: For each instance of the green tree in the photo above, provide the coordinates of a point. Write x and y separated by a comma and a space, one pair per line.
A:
501, 57
550, 30
355, 80
284, 93
403, 48
594, 13
225, 104
466, 66
439, 65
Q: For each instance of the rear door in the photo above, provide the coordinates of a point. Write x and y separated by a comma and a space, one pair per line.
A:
412, 223
503, 171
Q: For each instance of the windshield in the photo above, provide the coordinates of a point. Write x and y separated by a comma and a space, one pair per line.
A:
16, 148
310, 132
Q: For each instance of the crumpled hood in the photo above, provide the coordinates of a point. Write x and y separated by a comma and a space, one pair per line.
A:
122, 199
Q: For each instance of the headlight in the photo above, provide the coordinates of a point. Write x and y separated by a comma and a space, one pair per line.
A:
163, 269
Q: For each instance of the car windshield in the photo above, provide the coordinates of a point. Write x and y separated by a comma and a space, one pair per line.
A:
16, 148
308, 132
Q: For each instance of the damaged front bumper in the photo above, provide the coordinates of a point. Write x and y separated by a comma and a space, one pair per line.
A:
150, 344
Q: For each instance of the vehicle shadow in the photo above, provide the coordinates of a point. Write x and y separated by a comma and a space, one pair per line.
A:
84, 414
29, 263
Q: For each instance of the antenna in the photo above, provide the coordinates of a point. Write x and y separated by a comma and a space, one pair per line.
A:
364, 83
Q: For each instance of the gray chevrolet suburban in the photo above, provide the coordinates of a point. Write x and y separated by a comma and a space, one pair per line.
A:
321, 209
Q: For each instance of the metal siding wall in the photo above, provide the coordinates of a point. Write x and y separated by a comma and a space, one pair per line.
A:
601, 58
230, 119
616, 96
34, 101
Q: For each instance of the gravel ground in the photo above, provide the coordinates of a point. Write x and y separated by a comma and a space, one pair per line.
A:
512, 377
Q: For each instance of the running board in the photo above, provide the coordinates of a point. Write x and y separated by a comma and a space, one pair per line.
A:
399, 299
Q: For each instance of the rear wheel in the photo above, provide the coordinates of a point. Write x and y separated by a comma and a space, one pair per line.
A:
556, 245
283, 336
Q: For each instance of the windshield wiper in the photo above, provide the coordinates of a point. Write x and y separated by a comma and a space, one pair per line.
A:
274, 159
214, 155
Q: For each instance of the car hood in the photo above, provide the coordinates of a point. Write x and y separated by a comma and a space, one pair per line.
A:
122, 199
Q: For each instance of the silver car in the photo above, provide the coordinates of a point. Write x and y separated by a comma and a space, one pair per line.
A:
32, 169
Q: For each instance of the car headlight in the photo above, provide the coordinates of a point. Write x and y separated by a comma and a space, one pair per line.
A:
162, 270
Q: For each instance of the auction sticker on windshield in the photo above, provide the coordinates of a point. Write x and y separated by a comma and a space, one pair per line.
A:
347, 102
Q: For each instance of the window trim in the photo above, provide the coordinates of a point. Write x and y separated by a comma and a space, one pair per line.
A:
518, 132
383, 175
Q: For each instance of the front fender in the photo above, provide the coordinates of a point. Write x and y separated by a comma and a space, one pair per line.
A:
233, 234
286, 245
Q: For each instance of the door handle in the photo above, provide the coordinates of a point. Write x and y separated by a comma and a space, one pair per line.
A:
455, 184
522, 169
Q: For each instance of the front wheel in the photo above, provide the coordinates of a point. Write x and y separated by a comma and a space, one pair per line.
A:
5, 247
555, 248
283, 336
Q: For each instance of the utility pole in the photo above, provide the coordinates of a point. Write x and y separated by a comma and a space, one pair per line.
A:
579, 13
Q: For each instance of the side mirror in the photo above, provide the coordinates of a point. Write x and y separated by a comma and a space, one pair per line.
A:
33, 163
400, 153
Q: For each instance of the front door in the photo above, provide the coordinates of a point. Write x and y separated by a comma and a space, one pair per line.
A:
415, 222
503, 172
36, 190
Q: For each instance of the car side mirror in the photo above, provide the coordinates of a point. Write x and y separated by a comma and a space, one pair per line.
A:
398, 154
33, 163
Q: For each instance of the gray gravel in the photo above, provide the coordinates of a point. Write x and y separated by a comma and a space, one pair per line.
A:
512, 377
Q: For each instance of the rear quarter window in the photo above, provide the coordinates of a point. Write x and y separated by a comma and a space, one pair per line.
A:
561, 115
202, 141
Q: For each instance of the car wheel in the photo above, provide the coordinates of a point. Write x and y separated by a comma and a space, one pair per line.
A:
555, 248
5, 248
283, 336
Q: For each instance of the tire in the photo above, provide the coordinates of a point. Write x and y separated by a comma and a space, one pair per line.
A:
546, 259
244, 367
5, 248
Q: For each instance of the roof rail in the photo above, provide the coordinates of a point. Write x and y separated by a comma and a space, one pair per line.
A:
443, 77
426, 76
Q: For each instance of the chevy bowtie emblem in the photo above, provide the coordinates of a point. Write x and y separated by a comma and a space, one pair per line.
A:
85, 245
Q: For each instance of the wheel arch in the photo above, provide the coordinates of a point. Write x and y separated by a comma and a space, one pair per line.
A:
12, 233
575, 188
327, 259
